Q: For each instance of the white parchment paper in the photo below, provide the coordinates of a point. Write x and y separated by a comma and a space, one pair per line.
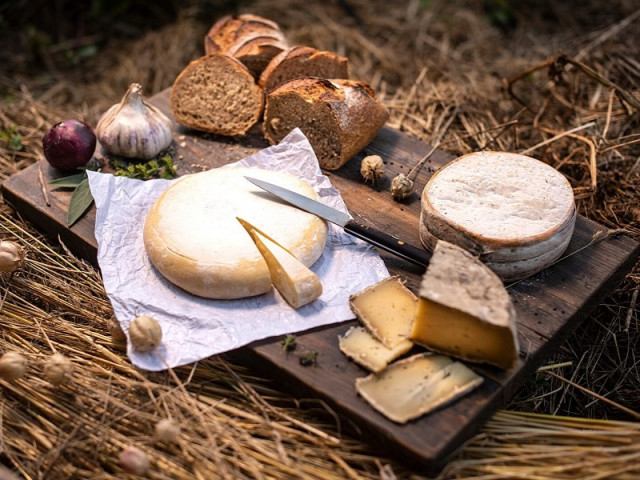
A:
195, 328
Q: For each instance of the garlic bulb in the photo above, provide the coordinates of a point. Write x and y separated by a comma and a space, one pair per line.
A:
134, 460
12, 366
401, 186
145, 333
133, 128
58, 369
167, 430
11, 256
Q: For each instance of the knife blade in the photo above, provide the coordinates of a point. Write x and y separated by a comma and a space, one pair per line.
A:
417, 256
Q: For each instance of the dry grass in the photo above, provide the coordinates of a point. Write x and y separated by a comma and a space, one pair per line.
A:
448, 76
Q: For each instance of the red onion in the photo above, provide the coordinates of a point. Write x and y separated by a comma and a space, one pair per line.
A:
69, 144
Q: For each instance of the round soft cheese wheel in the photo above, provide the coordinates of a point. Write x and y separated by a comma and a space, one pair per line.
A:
193, 237
515, 212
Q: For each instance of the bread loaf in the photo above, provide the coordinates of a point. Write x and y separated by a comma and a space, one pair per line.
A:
301, 61
251, 39
339, 117
217, 94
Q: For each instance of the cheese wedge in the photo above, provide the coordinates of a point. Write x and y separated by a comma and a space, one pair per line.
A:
464, 310
297, 284
364, 349
417, 385
387, 309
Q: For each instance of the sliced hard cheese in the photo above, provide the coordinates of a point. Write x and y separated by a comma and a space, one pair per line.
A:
387, 309
464, 310
295, 282
364, 349
194, 240
417, 385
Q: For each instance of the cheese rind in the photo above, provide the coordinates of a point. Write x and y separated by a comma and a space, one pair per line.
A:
417, 385
192, 237
513, 211
297, 284
387, 309
366, 350
464, 310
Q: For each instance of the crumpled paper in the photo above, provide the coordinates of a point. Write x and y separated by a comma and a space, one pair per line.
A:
195, 328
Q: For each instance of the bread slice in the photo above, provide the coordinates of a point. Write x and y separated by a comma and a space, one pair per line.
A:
229, 29
301, 61
339, 117
256, 50
217, 94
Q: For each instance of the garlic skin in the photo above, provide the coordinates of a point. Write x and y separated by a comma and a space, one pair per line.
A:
401, 187
134, 460
145, 333
11, 256
58, 369
167, 430
133, 128
372, 168
12, 366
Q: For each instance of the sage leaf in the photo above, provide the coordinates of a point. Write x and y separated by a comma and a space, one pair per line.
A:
80, 202
72, 181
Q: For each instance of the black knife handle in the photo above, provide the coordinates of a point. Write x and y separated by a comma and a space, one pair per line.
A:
406, 251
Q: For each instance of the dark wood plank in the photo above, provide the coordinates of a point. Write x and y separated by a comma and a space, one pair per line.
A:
549, 305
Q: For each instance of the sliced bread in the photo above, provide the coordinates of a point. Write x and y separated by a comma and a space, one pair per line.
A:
339, 117
301, 61
229, 29
257, 49
217, 94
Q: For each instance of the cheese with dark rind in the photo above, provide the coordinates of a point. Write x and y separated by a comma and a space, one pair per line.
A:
464, 310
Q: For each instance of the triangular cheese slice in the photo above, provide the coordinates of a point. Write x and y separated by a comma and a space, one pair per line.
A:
387, 309
296, 282
464, 310
364, 349
417, 385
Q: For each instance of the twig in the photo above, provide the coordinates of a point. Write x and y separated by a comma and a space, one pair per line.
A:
43, 186
632, 306
633, 413
557, 137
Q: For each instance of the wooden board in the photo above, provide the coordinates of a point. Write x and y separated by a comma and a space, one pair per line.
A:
549, 305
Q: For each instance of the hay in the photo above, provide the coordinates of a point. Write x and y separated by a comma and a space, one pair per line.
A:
449, 77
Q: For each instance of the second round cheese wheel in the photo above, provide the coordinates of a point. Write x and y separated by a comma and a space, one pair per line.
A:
193, 238
515, 212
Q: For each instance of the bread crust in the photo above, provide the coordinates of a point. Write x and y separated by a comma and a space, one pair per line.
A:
243, 81
305, 62
230, 29
357, 115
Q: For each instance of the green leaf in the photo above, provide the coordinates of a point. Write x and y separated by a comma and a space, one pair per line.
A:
80, 202
72, 181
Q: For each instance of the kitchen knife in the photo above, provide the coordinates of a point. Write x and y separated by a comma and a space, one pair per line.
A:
406, 251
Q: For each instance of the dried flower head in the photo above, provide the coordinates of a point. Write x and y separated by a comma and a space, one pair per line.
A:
11, 256
116, 331
145, 333
401, 187
134, 460
372, 168
167, 430
58, 369
12, 366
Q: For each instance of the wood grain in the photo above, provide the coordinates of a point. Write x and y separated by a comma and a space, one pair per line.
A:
549, 305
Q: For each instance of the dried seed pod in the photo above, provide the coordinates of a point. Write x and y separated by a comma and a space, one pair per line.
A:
145, 333
134, 460
11, 256
401, 187
58, 369
167, 430
372, 168
12, 366
116, 331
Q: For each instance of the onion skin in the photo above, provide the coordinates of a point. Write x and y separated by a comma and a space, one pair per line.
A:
69, 145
